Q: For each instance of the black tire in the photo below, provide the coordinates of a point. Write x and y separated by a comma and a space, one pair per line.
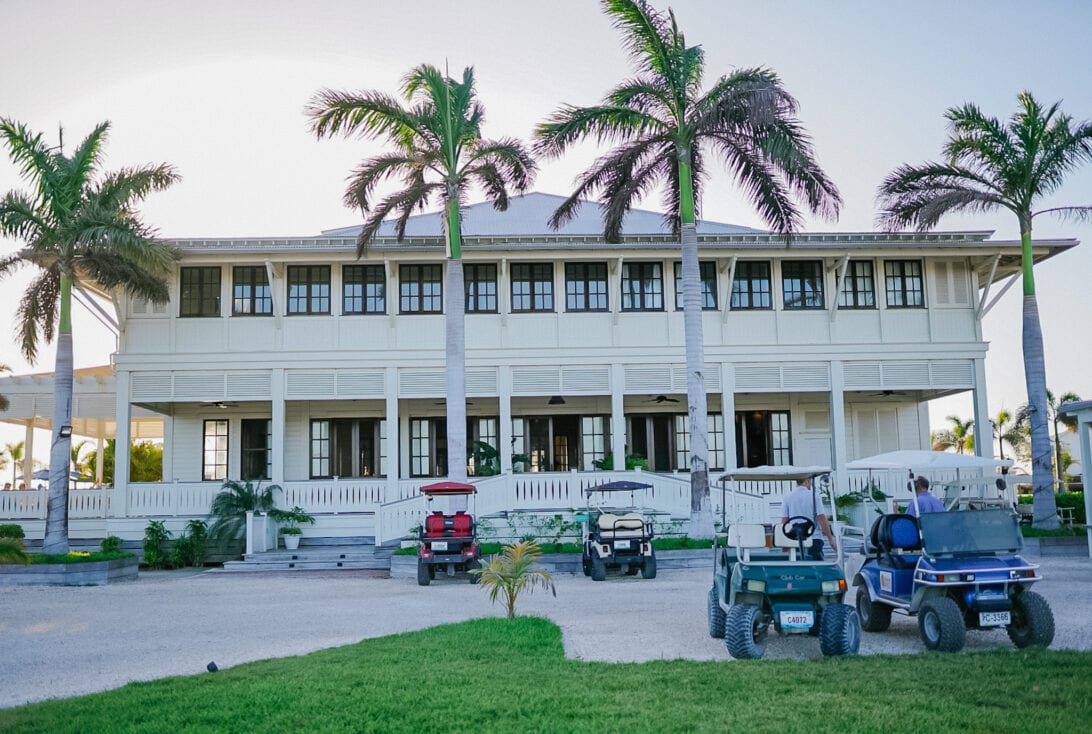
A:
875, 616
585, 563
940, 623
717, 616
648, 570
1032, 621
424, 574
840, 630
745, 632
598, 569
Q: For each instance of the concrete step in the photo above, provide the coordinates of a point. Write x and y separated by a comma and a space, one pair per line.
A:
306, 542
304, 554
248, 567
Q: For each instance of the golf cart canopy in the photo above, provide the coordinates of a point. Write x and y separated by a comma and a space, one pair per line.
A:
786, 472
619, 486
931, 460
447, 489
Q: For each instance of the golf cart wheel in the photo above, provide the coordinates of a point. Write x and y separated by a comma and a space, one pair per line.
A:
585, 563
717, 616
1032, 621
745, 633
598, 569
840, 630
940, 623
875, 616
648, 570
424, 574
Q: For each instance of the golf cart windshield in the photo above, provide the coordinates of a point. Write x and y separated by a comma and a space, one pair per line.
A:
957, 533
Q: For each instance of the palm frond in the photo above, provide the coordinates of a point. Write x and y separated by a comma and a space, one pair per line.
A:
605, 123
760, 182
513, 163
29, 151
37, 312
113, 271
374, 171
919, 196
405, 203
84, 160
126, 186
20, 218
366, 114
645, 33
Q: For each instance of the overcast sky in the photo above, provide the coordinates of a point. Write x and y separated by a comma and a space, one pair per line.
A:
218, 88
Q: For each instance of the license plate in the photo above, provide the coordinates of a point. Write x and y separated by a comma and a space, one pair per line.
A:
439, 545
797, 620
621, 544
993, 619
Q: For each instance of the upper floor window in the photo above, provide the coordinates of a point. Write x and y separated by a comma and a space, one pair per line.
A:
421, 289
642, 287
250, 294
481, 288
708, 273
200, 292
751, 286
904, 283
532, 286
308, 289
858, 287
586, 286
363, 289
802, 283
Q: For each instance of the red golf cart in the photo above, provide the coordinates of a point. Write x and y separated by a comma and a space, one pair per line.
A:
447, 540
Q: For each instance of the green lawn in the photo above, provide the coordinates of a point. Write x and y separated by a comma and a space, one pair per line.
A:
496, 675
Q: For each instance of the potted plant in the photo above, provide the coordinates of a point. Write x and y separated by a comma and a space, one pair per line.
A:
520, 462
290, 521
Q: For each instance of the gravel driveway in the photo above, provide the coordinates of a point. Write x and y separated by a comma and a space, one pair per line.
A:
59, 642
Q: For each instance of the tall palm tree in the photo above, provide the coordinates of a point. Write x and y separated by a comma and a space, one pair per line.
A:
959, 435
439, 154
80, 228
993, 165
15, 453
1057, 422
3, 400
1006, 429
667, 127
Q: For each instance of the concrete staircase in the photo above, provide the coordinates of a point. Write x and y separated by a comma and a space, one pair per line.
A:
318, 554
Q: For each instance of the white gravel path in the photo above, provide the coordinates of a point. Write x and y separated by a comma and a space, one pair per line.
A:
59, 642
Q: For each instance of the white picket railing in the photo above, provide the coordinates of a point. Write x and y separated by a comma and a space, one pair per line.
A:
23, 504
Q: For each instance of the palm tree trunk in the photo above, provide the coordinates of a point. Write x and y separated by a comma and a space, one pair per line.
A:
56, 531
701, 512
1044, 509
454, 310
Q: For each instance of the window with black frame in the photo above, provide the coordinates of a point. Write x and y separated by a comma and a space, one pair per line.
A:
420, 289
708, 273
199, 292
250, 293
308, 289
481, 288
532, 287
763, 437
858, 286
751, 286
642, 287
802, 284
256, 437
904, 284
586, 287
214, 450
363, 289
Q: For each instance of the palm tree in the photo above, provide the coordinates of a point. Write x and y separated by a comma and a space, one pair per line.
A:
80, 230
229, 508
3, 400
15, 453
439, 153
78, 466
992, 165
1057, 421
1006, 429
667, 127
513, 572
959, 436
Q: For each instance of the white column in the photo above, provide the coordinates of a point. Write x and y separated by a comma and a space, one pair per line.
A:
504, 398
120, 496
728, 412
1084, 441
617, 417
277, 418
839, 449
28, 457
393, 461
168, 449
982, 427
100, 445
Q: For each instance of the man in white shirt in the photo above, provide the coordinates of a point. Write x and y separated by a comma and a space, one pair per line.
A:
804, 501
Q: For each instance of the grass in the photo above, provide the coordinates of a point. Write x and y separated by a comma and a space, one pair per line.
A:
497, 675
42, 558
1064, 531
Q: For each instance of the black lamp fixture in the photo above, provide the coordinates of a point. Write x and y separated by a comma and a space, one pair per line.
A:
65, 432
556, 400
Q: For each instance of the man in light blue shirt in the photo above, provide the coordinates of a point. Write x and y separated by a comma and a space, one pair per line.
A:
923, 501
804, 501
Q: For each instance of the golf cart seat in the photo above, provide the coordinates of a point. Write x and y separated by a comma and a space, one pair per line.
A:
897, 540
745, 537
630, 525
439, 525
783, 541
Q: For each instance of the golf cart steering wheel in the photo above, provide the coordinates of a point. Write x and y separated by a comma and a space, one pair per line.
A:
798, 528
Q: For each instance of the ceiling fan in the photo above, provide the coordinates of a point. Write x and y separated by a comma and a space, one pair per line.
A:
662, 399
222, 404
887, 393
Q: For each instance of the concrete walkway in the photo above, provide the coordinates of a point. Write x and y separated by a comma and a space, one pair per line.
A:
60, 642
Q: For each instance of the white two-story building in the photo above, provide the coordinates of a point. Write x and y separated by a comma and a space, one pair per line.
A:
293, 361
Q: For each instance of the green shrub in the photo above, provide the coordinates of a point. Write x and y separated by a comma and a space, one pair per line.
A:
12, 552
76, 557
110, 544
1075, 500
191, 548
156, 536
12, 531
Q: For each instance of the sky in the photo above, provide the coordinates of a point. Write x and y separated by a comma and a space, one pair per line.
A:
217, 89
